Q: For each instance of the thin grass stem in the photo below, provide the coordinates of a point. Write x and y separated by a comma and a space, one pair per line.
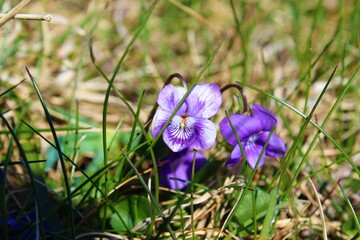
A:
291, 151
3, 174
61, 159
353, 213
153, 200
312, 144
39, 226
314, 124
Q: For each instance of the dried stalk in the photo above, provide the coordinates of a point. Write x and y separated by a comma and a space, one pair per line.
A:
38, 17
15, 10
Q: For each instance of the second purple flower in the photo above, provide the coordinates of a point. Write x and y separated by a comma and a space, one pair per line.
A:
190, 127
253, 132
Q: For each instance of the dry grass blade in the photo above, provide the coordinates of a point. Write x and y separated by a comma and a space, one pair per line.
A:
31, 16
322, 217
13, 12
197, 16
100, 235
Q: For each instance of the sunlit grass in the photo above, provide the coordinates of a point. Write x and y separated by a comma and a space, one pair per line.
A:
77, 157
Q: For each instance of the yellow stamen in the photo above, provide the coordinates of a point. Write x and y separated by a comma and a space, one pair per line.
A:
183, 121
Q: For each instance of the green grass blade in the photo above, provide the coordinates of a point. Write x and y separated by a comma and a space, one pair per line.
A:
11, 88
283, 182
89, 179
76, 136
116, 70
152, 198
39, 223
61, 159
110, 86
3, 203
47, 130
314, 124
136, 120
353, 213
333, 108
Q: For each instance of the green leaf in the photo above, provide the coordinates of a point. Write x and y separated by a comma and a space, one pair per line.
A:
91, 143
245, 211
133, 209
350, 226
265, 231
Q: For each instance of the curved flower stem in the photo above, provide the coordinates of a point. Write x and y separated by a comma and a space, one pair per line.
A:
241, 90
176, 75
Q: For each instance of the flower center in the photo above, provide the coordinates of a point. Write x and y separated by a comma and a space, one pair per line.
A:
252, 139
183, 121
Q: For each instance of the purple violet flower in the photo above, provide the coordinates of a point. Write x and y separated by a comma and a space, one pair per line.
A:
190, 127
177, 167
253, 132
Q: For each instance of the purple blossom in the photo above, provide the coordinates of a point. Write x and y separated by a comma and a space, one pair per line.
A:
177, 167
253, 132
190, 127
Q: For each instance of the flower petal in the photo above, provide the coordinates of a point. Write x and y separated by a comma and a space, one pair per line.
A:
244, 125
159, 121
205, 132
267, 118
178, 167
170, 96
175, 177
252, 152
178, 138
234, 157
275, 148
204, 100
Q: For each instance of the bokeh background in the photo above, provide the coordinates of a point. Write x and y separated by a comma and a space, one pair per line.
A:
286, 49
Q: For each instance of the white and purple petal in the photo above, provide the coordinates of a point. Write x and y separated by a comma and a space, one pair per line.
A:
169, 98
204, 100
205, 131
159, 120
267, 118
275, 147
190, 126
179, 134
244, 125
